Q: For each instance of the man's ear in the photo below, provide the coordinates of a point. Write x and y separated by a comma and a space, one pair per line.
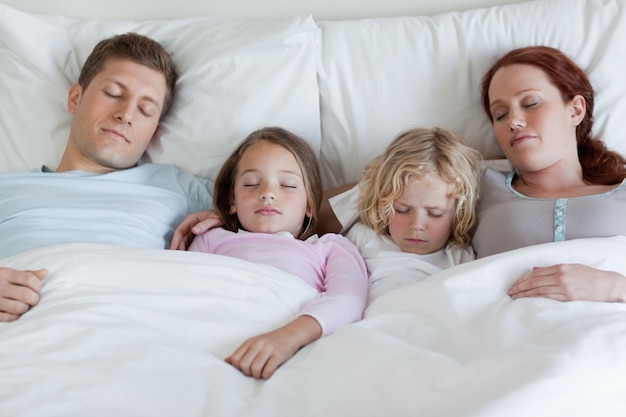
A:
578, 109
73, 97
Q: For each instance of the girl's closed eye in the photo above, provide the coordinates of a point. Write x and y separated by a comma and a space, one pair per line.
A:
249, 179
292, 184
290, 181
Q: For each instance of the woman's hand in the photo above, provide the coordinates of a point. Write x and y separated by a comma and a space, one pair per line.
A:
19, 291
568, 282
261, 355
194, 224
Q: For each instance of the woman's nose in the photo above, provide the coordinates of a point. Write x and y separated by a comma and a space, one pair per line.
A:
516, 122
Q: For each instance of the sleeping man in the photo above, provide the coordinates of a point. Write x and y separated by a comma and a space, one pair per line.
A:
98, 193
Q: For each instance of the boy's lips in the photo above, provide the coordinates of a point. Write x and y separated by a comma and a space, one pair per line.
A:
415, 240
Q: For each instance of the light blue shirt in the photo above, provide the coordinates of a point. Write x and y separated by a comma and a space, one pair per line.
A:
136, 207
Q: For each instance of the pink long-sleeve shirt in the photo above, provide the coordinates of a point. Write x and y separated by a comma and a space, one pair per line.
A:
331, 264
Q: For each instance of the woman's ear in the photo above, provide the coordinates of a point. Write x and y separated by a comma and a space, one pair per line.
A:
578, 109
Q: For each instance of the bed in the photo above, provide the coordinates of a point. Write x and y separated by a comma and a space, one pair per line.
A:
144, 332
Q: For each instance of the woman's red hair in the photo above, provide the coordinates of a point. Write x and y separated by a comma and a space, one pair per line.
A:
600, 166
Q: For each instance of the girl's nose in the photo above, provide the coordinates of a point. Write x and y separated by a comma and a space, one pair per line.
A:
267, 193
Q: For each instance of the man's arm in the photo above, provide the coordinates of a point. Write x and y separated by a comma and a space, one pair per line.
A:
19, 291
194, 224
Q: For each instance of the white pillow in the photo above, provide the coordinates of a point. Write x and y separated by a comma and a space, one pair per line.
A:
236, 75
381, 76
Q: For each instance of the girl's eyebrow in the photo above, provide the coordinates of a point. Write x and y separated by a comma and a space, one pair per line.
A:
283, 171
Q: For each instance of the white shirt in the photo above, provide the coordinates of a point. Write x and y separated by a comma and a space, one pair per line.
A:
390, 268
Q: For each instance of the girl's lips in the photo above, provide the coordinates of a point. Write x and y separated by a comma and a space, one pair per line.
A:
267, 211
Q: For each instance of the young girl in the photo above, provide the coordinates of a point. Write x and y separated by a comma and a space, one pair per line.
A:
268, 195
417, 208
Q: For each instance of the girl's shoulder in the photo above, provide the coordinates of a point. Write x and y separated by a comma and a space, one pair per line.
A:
334, 239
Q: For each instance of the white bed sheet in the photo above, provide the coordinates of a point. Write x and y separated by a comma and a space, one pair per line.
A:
130, 332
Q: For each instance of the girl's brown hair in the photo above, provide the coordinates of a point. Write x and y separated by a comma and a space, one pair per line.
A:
224, 197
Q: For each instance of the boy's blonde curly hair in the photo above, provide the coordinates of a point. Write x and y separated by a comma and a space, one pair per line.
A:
412, 155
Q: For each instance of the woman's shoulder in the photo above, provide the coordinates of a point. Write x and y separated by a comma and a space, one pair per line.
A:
492, 174
495, 184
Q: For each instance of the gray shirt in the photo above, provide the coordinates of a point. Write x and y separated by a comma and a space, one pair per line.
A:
509, 220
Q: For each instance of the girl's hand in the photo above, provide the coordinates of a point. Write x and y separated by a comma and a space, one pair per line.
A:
261, 355
568, 282
19, 291
194, 224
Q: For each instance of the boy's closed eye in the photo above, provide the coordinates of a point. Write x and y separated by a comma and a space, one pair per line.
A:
435, 214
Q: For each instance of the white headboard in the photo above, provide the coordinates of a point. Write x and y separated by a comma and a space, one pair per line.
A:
320, 9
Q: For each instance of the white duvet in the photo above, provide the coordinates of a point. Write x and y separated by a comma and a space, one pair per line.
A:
130, 332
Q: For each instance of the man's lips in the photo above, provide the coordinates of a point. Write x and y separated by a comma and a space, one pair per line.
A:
116, 134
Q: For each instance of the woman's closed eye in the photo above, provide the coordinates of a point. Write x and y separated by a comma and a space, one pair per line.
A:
499, 116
